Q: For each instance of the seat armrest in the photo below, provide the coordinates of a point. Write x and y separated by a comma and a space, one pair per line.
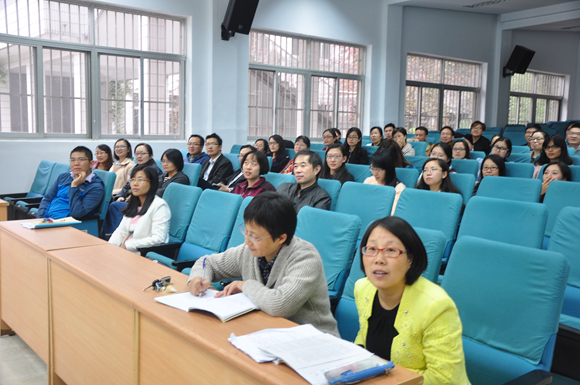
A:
29, 201
535, 377
180, 265
168, 249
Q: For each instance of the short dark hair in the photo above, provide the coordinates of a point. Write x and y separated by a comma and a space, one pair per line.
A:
564, 169
147, 147
447, 128
338, 133
421, 128
414, 246
88, 153
248, 146
377, 128
402, 130
342, 173
304, 139
396, 153
216, 137
107, 149
265, 143
201, 140
570, 125
174, 156
384, 160
535, 126
274, 213
331, 131
499, 162
129, 153
358, 146
464, 142
313, 158
447, 184
507, 142
132, 208
389, 125
478, 123
261, 158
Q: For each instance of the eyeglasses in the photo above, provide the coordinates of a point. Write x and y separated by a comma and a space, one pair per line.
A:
431, 170
246, 234
165, 161
141, 153
74, 160
327, 136
502, 149
98, 153
333, 156
551, 147
490, 168
458, 149
353, 137
375, 170
211, 144
139, 181
536, 139
193, 144
389, 252
477, 129
120, 147
570, 133
253, 164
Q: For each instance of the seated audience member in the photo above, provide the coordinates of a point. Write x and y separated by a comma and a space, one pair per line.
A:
282, 274
442, 151
195, 152
530, 129
398, 158
421, 134
172, 163
254, 164
353, 147
280, 157
384, 174
217, 167
400, 136
573, 137
123, 164
146, 217
435, 177
536, 144
446, 135
262, 146
554, 171
228, 184
460, 149
77, 193
502, 147
302, 143
104, 158
480, 142
492, 165
393, 297
494, 138
553, 150
334, 166
389, 128
306, 191
329, 137
338, 135
376, 136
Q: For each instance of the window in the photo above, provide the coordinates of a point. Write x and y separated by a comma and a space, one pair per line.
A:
299, 86
535, 98
441, 92
135, 89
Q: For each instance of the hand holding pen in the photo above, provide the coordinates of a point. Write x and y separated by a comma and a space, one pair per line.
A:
198, 285
203, 277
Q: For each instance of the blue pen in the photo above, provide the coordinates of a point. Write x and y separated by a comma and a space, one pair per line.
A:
350, 377
202, 277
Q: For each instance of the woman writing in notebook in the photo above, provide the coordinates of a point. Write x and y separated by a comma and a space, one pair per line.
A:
404, 317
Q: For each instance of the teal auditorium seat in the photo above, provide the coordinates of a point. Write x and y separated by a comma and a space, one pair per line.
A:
359, 171
236, 149
192, 170
420, 148
334, 235
517, 137
407, 176
277, 179
320, 153
159, 164
513, 189
332, 187
517, 149
465, 184
575, 170
519, 170
237, 237
210, 227
417, 161
501, 220
317, 146
465, 166
559, 195
370, 151
39, 183
292, 153
234, 158
576, 160
346, 314
369, 202
519, 158
476, 155
571, 151
509, 300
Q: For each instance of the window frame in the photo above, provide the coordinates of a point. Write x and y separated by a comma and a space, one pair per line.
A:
535, 96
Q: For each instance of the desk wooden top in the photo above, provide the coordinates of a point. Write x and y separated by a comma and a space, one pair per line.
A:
3, 203
52, 238
107, 266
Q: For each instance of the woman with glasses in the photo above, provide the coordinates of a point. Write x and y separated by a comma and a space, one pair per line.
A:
146, 217
172, 163
554, 171
502, 147
492, 165
262, 145
480, 142
400, 136
384, 174
123, 164
404, 317
536, 144
254, 165
104, 158
353, 147
329, 137
376, 136
442, 151
460, 149
435, 177
334, 165
553, 150
280, 157
302, 143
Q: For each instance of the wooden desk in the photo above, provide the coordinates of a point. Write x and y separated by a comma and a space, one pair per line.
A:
3, 210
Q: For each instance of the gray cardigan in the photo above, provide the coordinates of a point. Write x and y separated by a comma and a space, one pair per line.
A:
296, 289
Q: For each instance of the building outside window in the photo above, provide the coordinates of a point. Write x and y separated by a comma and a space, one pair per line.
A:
535, 97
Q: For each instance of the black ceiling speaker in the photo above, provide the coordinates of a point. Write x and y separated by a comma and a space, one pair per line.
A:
239, 17
518, 61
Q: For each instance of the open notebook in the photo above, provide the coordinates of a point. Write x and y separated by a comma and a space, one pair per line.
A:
225, 308
43, 224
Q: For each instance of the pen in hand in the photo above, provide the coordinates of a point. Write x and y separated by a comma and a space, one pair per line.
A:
202, 277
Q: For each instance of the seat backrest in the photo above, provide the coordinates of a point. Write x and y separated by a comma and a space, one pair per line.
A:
407, 176
277, 179
559, 195
57, 169
575, 170
564, 240
420, 147
516, 223
431, 210
476, 154
519, 158
182, 200
514, 128
519, 170
236, 149
465, 184
213, 219
359, 171
517, 138
576, 160
514, 189
237, 237
192, 170
234, 159
417, 161
571, 151
316, 146
355, 199
334, 235
508, 297
465, 166
40, 184
332, 187
108, 179
517, 149
435, 244
159, 164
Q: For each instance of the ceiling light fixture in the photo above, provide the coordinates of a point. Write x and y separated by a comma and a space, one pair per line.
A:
485, 3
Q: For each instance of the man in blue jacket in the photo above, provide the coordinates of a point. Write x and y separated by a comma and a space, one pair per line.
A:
78, 193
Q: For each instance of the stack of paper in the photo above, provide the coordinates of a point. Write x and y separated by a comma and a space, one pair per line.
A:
44, 223
300, 348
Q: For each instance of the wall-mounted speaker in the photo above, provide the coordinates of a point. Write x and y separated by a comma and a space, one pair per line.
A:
519, 61
239, 17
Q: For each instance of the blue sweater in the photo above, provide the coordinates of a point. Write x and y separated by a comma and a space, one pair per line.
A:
62, 200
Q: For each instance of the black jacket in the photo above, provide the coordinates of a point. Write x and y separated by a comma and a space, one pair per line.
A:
313, 196
220, 171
